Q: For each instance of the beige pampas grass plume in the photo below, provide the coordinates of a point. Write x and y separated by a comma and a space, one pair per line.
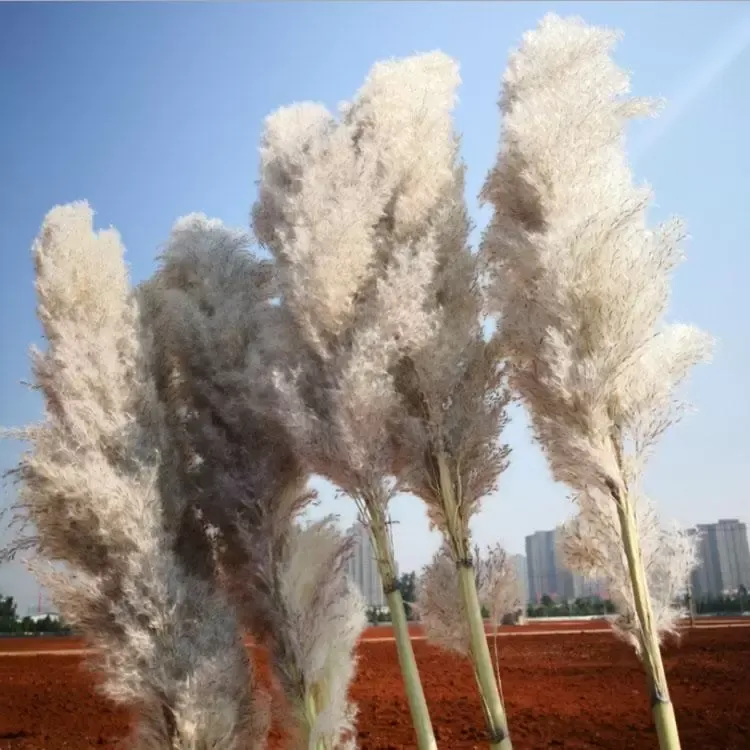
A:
439, 602
92, 484
581, 284
347, 206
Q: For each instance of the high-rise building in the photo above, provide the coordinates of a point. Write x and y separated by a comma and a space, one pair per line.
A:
522, 576
723, 558
363, 568
706, 577
539, 563
548, 575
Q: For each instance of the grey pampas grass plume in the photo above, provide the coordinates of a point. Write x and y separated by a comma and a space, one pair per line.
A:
92, 484
212, 302
581, 284
347, 206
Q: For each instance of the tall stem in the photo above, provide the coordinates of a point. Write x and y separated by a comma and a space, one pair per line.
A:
482, 660
311, 714
662, 708
420, 714
489, 689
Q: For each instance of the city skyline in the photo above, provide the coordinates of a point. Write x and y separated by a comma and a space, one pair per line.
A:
723, 565
548, 575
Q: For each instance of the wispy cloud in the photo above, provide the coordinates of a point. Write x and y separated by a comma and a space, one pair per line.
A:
722, 56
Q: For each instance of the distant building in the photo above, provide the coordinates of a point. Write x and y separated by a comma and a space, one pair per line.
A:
36, 617
540, 563
548, 575
723, 558
522, 576
363, 568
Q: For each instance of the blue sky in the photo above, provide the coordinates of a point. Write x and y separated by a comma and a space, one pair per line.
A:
152, 111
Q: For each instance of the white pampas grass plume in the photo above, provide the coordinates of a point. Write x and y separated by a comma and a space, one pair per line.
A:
337, 197
439, 601
581, 284
499, 588
452, 390
346, 210
439, 604
591, 544
92, 483
326, 616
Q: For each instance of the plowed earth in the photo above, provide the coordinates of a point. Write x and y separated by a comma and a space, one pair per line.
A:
569, 690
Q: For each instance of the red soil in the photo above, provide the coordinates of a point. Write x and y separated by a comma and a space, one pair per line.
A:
568, 691
58, 643
552, 624
33, 644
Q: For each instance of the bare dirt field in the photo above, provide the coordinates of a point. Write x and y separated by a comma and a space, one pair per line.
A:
566, 690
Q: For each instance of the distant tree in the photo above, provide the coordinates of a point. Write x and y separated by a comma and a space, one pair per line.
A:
597, 605
8, 616
582, 606
722, 605
407, 585
373, 615
7, 607
47, 625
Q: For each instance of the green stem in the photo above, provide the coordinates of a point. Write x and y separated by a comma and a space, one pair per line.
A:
420, 714
311, 715
662, 708
665, 722
489, 689
480, 655
484, 705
